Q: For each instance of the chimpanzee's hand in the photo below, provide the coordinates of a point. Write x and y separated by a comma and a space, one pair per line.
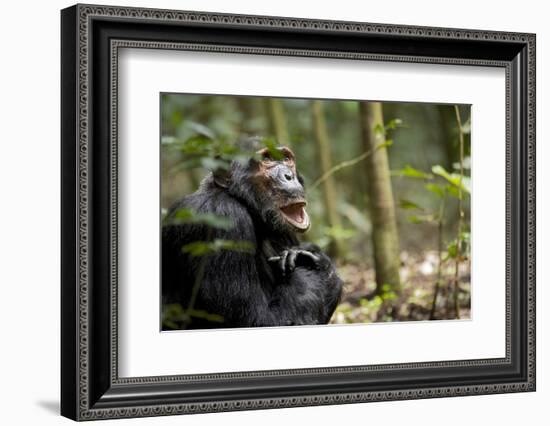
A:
290, 258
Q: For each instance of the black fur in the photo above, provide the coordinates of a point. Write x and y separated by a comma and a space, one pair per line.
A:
245, 288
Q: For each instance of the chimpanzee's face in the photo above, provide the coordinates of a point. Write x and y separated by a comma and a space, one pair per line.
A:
283, 193
271, 188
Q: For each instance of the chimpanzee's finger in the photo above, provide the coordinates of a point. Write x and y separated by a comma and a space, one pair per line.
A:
316, 259
274, 259
282, 262
291, 260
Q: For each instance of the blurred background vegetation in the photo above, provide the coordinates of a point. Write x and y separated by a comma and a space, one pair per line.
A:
388, 188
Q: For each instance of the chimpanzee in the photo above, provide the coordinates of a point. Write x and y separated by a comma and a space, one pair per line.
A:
277, 281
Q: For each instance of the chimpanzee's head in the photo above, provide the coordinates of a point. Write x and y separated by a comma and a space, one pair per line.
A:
271, 187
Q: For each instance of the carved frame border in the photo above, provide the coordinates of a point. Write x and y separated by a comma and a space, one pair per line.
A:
85, 409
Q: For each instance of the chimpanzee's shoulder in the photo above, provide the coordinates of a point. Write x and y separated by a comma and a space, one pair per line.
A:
218, 202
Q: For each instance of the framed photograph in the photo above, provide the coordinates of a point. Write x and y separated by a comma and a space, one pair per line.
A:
263, 212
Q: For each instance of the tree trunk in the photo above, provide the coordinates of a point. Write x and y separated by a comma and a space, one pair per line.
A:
329, 192
382, 208
277, 121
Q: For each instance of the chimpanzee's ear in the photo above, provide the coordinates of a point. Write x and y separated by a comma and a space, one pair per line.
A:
222, 177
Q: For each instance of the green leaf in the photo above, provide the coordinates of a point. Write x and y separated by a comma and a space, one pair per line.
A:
272, 147
452, 250
228, 150
409, 205
440, 171
394, 124
195, 145
201, 129
379, 130
209, 219
385, 288
411, 172
421, 219
453, 178
436, 189
198, 248
199, 313
389, 295
214, 163
385, 144
452, 190
202, 248
387, 292
174, 313
242, 159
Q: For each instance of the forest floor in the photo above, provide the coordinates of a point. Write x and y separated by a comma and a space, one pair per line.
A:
360, 303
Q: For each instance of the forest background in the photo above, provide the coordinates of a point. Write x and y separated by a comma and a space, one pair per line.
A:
388, 188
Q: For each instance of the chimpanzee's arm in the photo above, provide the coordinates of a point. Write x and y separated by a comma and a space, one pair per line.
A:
311, 280
236, 287
239, 285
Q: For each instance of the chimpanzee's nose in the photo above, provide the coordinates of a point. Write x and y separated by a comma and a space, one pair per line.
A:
287, 179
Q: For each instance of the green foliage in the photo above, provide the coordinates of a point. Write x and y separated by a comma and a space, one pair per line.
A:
373, 304
459, 248
205, 150
201, 151
385, 144
436, 189
365, 312
379, 130
393, 124
409, 205
203, 248
272, 146
208, 219
411, 172
387, 293
174, 316
453, 191
427, 218
453, 178
390, 125
453, 185
200, 134
452, 250
369, 308
456, 186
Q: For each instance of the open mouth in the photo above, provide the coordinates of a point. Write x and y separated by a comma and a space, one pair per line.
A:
296, 215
